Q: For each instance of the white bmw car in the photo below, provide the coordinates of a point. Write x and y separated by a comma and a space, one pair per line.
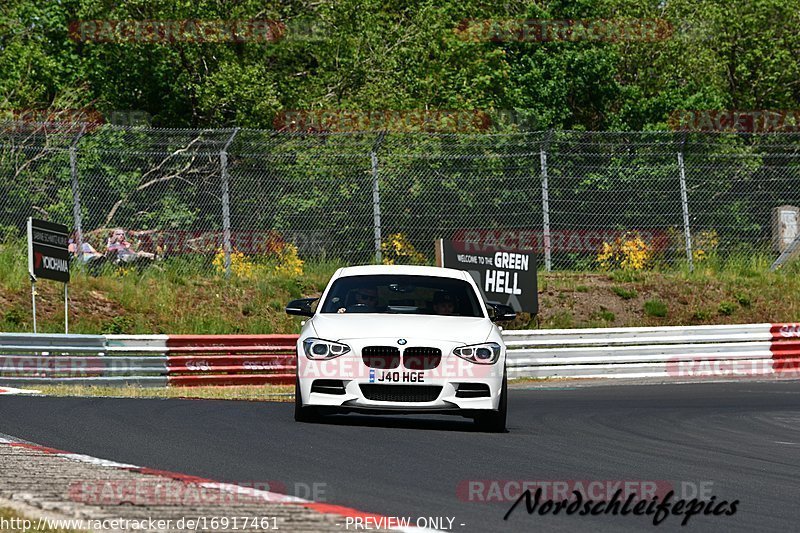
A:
401, 339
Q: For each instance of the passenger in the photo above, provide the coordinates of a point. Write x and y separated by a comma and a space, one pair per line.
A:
444, 303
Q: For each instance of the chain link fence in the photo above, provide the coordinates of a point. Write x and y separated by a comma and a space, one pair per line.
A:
191, 195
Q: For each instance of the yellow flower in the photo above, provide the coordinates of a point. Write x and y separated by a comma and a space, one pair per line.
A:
705, 243
399, 251
289, 262
241, 266
627, 252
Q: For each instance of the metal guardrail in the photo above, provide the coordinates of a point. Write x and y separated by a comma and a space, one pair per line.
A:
60, 343
156, 360
231, 359
673, 352
186, 360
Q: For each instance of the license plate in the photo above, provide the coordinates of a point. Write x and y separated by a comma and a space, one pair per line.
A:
399, 377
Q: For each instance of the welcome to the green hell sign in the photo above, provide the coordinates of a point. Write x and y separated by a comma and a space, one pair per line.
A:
503, 276
503, 280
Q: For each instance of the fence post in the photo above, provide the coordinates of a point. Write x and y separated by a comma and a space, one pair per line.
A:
226, 204
76, 192
376, 198
548, 261
685, 207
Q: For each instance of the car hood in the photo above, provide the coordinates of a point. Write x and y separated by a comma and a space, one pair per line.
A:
338, 327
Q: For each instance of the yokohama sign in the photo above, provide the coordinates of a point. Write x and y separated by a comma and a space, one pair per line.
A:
48, 256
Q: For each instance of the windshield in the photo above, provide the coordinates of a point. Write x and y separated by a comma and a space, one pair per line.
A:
417, 295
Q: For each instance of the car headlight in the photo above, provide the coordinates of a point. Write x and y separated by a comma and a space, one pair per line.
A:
482, 354
322, 349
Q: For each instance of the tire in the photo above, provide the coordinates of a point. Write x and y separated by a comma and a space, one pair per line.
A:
495, 421
303, 414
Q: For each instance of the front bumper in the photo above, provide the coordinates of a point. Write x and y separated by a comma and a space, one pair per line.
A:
451, 374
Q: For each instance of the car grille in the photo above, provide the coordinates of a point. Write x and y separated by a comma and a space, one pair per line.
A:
421, 358
401, 393
383, 357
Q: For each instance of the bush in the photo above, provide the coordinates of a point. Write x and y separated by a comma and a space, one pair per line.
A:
726, 308
398, 250
627, 252
743, 299
289, 262
15, 316
704, 245
241, 266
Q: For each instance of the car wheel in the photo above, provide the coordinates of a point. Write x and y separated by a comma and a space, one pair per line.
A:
495, 421
303, 414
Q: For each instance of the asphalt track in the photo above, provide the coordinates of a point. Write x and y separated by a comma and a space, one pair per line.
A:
736, 441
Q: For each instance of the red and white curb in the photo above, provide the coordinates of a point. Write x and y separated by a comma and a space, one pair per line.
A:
376, 521
9, 390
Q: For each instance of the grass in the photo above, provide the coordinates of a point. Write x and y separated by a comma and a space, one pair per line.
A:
184, 295
626, 276
12, 517
278, 393
655, 308
562, 320
175, 296
625, 294
702, 315
604, 315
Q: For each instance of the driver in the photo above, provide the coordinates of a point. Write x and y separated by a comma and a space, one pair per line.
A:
365, 300
368, 297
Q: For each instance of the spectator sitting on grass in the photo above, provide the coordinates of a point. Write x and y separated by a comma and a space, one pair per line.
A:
88, 255
88, 252
119, 250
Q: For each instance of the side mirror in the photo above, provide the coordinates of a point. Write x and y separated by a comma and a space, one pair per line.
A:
301, 307
501, 313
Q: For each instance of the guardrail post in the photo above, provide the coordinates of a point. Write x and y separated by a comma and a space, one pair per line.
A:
548, 262
376, 198
226, 204
685, 208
